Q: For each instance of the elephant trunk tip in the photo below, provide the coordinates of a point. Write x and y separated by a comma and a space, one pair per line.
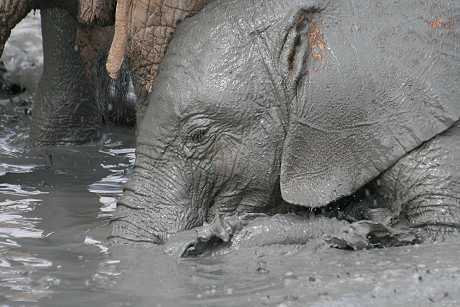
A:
120, 39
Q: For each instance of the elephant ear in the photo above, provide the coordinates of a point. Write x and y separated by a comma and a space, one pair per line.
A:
372, 92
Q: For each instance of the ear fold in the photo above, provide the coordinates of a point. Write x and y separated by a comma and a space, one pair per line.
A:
294, 58
294, 49
314, 171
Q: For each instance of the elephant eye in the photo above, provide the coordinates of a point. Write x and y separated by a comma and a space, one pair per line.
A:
198, 135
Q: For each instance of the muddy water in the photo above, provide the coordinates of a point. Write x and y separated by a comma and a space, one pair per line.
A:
55, 204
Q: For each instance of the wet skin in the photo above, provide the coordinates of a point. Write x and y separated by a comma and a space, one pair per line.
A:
264, 107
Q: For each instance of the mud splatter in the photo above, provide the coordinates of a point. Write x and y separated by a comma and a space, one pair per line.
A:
317, 43
441, 23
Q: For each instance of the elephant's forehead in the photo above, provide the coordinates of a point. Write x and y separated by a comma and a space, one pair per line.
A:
225, 24
345, 38
216, 77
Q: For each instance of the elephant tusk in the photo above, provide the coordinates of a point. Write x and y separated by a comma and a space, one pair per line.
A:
120, 39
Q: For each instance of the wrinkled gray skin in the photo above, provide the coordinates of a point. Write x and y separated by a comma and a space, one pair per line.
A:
274, 106
70, 107
64, 110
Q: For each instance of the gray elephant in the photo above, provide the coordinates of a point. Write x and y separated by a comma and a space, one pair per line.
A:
273, 106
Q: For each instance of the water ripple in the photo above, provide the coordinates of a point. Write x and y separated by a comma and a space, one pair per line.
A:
110, 187
16, 169
17, 190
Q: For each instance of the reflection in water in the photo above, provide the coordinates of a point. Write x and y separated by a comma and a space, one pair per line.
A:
13, 223
52, 239
17, 226
52, 229
110, 187
16, 169
17, 190
17, 266
5, 147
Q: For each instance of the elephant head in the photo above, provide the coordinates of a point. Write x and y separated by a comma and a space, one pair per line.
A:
305, 101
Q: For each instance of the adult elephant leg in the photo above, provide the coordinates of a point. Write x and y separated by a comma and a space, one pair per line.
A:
112, 95
64, 109
119, 107
424, 187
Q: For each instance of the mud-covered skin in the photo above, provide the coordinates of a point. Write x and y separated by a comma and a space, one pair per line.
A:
305, 101
423, 187
245, 232
309, 231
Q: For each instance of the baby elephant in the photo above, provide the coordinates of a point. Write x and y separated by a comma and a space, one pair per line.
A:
268, 106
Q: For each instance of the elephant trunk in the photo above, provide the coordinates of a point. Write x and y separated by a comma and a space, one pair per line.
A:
11, 13
120, 38
150, 33
144, 29
156, 203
